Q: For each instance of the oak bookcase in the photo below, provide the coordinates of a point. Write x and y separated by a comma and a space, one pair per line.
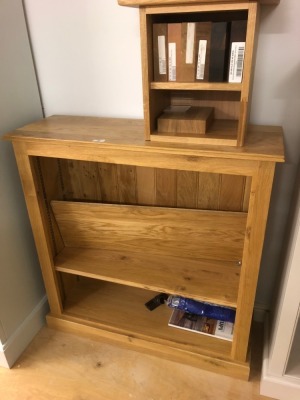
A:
117, 219
230, 101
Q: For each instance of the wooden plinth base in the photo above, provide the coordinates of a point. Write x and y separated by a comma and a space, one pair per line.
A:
88, 329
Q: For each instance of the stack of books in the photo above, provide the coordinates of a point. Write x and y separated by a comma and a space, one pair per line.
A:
199, 51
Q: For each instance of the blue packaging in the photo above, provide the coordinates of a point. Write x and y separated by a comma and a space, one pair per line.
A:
202, 308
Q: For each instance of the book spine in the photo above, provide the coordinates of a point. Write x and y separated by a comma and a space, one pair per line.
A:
218, 68
203, 44
174, 52
160, 52
188, 56
238, 30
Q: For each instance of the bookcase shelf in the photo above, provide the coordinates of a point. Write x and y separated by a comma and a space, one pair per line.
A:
213, 86
211, 281
121, 309
153, 244
117, 220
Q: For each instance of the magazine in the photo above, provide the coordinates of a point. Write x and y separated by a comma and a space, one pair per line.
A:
204, 325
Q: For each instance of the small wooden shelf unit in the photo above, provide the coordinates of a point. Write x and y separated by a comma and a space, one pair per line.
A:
230, 101
117, 219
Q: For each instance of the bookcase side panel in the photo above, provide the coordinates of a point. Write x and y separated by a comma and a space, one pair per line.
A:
254, 238
40, 225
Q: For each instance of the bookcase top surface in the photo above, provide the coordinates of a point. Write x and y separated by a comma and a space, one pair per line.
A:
141, 3
263, 143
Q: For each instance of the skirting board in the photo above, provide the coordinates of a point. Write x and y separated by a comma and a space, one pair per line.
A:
278, 387
19, 340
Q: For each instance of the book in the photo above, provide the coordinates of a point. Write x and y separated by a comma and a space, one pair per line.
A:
185, 119
238, 30
203, 325
203, 44
174, 52
160, 52
218, 64
188, 54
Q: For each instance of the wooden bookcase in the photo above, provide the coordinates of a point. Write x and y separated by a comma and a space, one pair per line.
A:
230, 101
117, 219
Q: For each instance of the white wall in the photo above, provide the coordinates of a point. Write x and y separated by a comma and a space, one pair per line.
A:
87, 54
21, 285
276, 101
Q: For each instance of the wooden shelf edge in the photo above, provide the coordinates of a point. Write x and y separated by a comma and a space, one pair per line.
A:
221, 132
81, 137
84, 328
117, 267
141, 3
211, 86
167, 138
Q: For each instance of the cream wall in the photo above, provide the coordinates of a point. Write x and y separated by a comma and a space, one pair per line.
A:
22, 295
87, 54
276, 101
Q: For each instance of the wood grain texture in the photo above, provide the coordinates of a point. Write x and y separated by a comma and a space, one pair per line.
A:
208, 86
187, 189
209, 191
86, 368
127, 184
206, 6
108, 182
48, 175
156, 94
166, 187
120, 240
136, 3
39, 220
111, 183
226, 104
145, 186
196, 120
82, 327
101, 303
255, 231
205, 280
78, 180
231, 192
81, 138
184, 233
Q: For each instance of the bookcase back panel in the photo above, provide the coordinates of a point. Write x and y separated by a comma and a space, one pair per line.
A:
125, 184
196, 234
72, 180
226, 104
49, 186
